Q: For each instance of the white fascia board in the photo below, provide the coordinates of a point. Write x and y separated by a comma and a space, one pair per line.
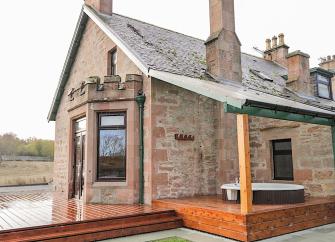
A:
206, 88
116, 39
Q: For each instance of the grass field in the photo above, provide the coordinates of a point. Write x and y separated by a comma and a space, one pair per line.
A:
25, 172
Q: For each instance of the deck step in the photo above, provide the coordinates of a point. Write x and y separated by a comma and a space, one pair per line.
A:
98, 229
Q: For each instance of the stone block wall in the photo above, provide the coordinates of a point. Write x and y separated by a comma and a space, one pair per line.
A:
182, 168
313, 161
186, 168
228, 164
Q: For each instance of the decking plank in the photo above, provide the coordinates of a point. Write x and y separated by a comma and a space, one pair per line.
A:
45, 216
213, 215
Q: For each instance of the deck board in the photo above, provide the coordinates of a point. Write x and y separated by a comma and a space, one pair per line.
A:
38, 209
45, 216
213, 215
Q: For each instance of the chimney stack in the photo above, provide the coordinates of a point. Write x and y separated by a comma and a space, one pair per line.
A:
278, 51
103, 6
223, 48
328, 63
299, 74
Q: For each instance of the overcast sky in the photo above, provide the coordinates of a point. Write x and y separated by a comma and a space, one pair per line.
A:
35, 36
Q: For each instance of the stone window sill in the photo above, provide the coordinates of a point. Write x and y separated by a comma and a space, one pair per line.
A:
110, 184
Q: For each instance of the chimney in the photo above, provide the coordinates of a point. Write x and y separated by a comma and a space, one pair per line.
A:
274, 42
278, 51
299, 74
268, 44
328, 63
103, 6
223, 48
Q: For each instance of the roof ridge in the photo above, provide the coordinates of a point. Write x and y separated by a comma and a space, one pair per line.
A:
141, 21
264, 59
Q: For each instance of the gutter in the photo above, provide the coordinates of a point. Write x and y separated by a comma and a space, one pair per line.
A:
140, 99
280, 112
292, 110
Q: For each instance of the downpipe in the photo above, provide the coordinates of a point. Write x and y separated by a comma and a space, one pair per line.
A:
140, 99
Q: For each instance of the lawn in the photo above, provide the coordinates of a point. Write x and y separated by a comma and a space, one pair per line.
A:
25, 172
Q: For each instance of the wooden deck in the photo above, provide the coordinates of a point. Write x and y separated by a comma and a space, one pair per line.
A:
42, 216
212, 215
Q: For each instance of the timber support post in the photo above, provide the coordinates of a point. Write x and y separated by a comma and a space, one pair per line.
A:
244, 163
333, 141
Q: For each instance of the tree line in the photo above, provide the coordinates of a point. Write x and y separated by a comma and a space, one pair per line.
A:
11, 145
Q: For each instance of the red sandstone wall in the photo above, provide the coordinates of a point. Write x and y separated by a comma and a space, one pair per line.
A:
313, 160
182, 168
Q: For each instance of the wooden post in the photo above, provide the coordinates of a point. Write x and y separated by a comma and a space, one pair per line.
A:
333, 141
244, 162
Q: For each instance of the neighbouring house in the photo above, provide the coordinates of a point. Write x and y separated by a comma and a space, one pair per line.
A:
145, 113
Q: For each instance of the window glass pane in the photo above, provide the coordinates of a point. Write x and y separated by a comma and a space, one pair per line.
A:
282, 159
323, 79
114, 58
113, 63
283, 166
323, 90
282, 145
112, 120
112, 154
80, 125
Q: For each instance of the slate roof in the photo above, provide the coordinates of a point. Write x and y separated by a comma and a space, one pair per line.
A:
165, 50
155, 49
159, 48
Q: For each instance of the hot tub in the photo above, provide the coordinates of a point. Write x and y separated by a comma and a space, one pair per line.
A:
266, 193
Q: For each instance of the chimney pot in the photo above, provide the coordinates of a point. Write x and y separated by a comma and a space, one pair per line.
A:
281, 39
329, 58
274, 42
277, 53
268, 44
333, 57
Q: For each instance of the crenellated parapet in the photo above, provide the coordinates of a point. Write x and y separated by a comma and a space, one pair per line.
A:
106, 89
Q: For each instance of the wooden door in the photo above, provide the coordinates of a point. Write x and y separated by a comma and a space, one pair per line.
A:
79, 158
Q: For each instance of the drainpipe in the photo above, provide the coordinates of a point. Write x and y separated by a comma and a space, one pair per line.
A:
140, 99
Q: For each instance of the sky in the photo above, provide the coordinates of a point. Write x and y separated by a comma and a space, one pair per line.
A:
35, 36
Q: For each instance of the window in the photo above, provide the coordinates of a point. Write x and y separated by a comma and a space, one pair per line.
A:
323, 86
111, 147
112, 61
282, 159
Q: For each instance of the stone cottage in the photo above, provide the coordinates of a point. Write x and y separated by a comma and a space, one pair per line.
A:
145, 113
